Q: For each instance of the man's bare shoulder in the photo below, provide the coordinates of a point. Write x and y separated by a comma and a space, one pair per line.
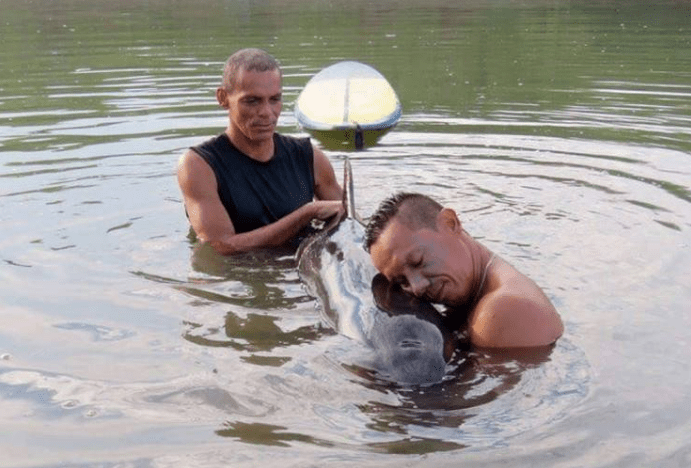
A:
514, 312
194, 173
326, 186
190, 159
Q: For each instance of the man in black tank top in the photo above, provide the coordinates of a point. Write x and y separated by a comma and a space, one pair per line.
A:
251, 187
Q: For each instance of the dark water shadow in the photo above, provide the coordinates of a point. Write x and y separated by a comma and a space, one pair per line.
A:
254, 284
256, 279
253, 333
267, 434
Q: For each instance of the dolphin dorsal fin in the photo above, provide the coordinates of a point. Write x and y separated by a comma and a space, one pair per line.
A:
349, 192
348, 196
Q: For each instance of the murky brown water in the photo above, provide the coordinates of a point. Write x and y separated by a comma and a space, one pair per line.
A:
559, 130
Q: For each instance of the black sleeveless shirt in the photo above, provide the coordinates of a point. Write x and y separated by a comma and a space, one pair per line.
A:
258, 193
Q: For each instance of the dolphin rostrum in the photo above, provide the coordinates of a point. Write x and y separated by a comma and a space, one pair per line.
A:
407, 339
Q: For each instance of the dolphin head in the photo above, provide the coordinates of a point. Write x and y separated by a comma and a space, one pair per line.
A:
411, 336
409, 350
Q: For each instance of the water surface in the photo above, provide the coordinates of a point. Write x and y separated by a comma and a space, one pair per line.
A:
559, 131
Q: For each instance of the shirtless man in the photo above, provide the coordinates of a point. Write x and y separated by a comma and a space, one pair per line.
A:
419, 244
251, 187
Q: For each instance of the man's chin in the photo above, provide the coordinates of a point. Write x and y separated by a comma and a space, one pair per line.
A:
263, 133
264, 128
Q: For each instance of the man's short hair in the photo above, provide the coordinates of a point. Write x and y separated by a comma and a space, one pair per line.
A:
248, 60
414, 210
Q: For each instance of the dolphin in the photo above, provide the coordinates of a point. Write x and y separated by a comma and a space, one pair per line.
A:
407, 339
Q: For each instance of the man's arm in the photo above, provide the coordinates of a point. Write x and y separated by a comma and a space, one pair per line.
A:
326, 186
211, 222
514, 314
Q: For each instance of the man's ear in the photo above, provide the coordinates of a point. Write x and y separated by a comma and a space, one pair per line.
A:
448, 220
222, 97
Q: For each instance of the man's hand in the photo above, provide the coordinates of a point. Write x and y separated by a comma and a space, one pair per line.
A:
326, 209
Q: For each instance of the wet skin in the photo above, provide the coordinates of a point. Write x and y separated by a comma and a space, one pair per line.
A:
505, 309
430, 264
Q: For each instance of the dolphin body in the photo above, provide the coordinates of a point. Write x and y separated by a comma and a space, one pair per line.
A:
406, 337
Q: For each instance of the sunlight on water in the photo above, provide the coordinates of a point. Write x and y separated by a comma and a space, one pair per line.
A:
559, 131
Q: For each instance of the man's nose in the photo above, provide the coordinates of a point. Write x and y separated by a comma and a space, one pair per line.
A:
265, 108
417, 284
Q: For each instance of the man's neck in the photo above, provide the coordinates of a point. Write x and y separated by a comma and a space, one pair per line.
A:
480, 258
261, 151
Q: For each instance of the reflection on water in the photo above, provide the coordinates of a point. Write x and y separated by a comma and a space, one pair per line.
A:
472, 405
477, 379
267, 434
254, 333
559, 131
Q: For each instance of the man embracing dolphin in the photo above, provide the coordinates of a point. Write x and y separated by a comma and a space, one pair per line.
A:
407, 337
424, 256
417, 243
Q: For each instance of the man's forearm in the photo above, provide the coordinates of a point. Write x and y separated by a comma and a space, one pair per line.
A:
271, 235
